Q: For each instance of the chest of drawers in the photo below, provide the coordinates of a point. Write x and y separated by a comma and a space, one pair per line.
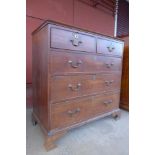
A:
76, 78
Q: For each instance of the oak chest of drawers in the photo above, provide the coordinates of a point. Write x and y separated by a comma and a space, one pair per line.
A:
76, 78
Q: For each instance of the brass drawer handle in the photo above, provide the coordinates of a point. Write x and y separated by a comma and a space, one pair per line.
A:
108, 83
73, 112
108, 65
76, 42
110, 48
75, 65
107, 102
76, 88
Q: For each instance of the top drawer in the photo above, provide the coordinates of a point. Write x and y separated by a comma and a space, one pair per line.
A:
66, 39
109, 47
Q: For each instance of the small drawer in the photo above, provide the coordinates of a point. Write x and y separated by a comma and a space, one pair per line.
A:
109, 47
72, 40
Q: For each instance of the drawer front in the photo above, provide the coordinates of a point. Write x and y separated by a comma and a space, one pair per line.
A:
101, 82
103, 104
66, 39
63, 62
109, 47
108, 64
66, 87
68, 113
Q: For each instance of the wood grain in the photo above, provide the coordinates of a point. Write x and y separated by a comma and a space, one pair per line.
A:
66, 87
39, 76
125, 81
71, 112
62, 38
109, 47
59, 63
73, 83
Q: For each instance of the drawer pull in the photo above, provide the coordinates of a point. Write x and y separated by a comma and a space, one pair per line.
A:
108, 83
76, 42
76, 88
110, 48
108, 65
72, 112
75, 65
107, 102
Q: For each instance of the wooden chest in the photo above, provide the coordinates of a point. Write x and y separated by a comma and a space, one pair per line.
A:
76, 78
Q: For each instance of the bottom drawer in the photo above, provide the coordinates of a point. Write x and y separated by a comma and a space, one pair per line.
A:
71, 112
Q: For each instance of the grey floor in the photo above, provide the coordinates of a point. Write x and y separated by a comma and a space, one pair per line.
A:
103, 137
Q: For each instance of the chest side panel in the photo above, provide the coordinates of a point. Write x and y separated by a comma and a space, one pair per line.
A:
40, 75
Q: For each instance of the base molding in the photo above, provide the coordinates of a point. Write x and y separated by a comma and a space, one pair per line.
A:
52, 136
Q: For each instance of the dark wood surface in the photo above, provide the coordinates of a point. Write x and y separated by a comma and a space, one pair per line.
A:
39, 76
64, 38
109, 47
76, 77
66, 87
71, 112
65, 62
124, 102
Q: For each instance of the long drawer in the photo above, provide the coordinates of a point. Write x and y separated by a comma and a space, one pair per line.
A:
65, 62
71, 112
66, 87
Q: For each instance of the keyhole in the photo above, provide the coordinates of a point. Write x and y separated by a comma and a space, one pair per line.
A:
76, 35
